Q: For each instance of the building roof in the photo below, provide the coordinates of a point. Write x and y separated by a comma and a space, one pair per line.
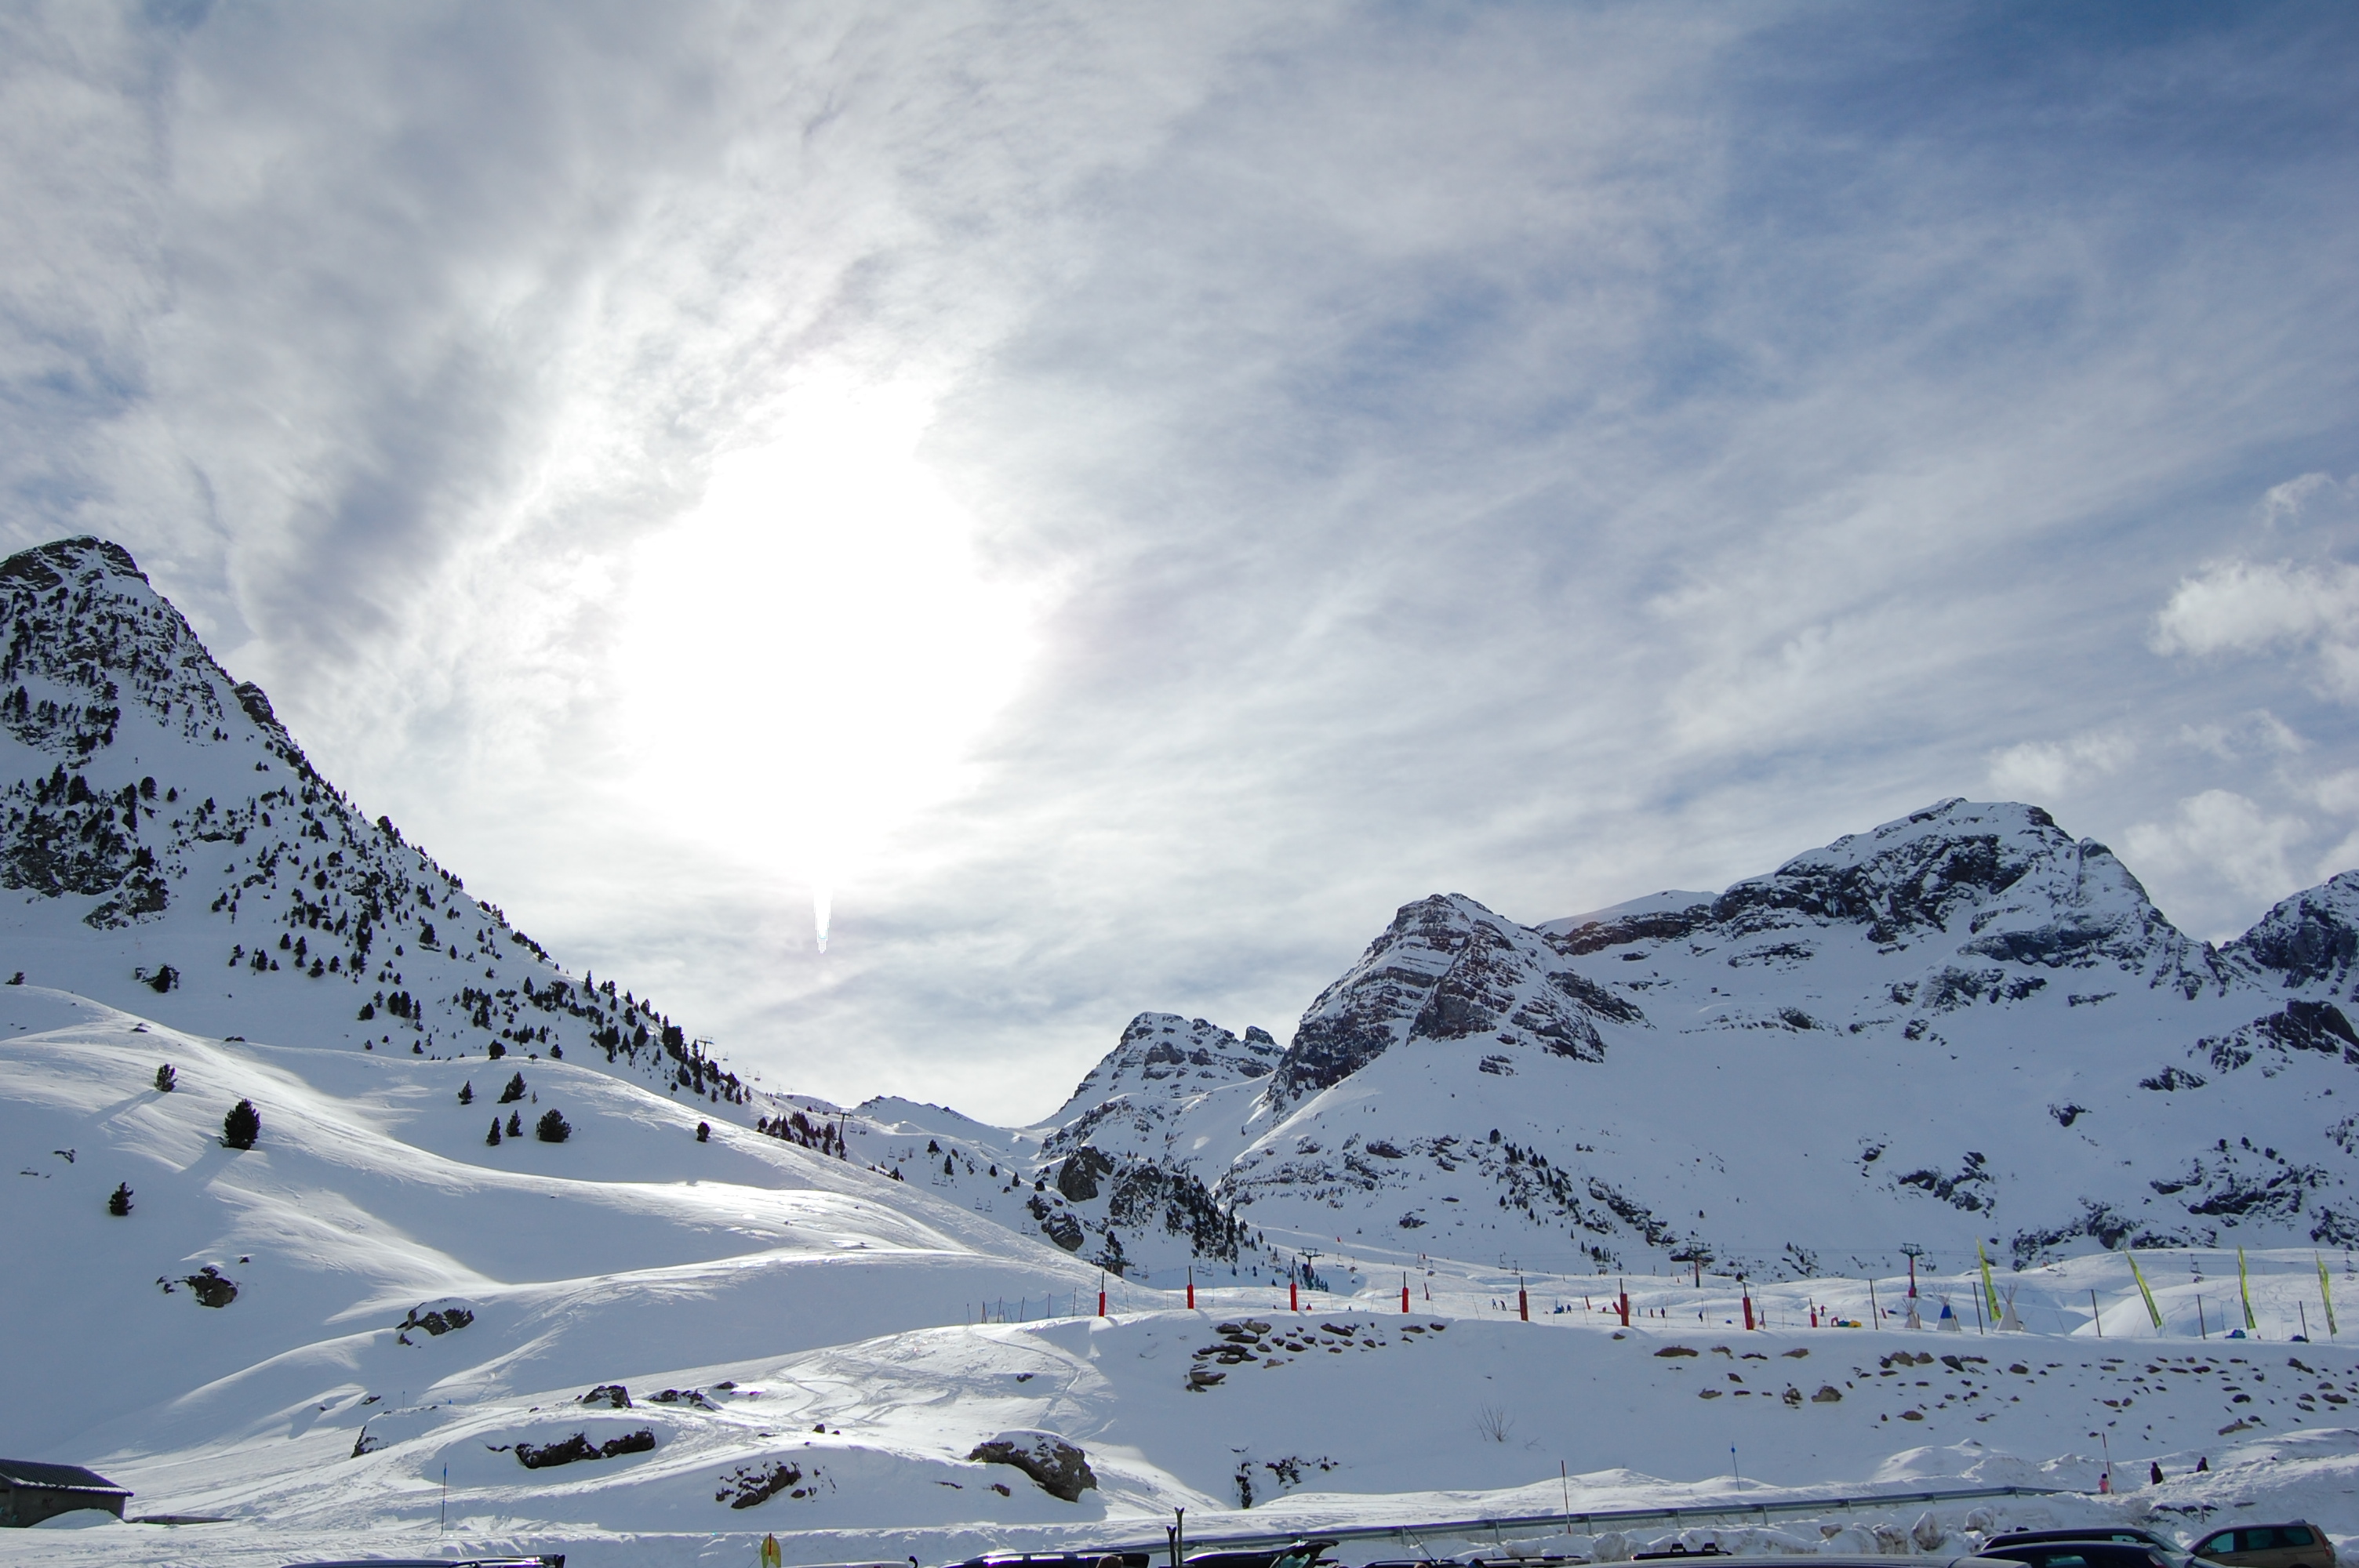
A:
57, 1477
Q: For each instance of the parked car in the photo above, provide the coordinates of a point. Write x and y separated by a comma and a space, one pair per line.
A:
2300, 1544
550, 1560
1058, 1560
2123, 1533
2089, 1555
1293, 1554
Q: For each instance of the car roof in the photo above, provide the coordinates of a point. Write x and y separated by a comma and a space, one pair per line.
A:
431, 1563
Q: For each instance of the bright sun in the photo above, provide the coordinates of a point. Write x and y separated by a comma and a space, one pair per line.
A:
809, 655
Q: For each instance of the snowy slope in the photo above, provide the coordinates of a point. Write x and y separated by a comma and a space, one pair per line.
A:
791, 1332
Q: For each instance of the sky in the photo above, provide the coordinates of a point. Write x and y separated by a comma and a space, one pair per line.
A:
1103, 504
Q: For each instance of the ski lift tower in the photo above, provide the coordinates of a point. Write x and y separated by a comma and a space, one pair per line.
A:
1910, 1251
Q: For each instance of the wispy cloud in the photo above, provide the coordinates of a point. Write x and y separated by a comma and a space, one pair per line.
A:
2053, 770
1342, 453
2221, 836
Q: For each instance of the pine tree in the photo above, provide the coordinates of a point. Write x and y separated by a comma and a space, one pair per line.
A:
167, 1080
551, 1127
119, 1203
242, 1126
513, 1092
948, 1168
493, 1138
467, 1092
515, 1125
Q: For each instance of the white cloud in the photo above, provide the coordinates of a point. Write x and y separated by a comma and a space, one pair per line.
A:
2259, 733
2041, 772
2248, 607
2343, 857
2220, 834
2285, 503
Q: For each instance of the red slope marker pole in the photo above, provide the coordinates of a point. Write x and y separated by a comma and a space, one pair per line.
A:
1404, 1295
1293, 1296
1523, 1302
1192, 1287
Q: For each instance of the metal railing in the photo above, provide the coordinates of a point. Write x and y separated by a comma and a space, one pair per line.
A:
1412, 1537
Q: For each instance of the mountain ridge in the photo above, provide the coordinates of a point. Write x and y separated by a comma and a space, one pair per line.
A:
135, 765
1981, 927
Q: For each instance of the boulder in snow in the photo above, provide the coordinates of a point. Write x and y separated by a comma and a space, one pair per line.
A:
1061, 1469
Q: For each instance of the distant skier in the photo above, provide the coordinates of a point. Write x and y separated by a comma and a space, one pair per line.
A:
2154, 1472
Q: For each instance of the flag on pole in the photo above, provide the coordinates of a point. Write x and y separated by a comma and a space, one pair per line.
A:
2152, 1311
2245, 1289
2325, 1294
1990, 1293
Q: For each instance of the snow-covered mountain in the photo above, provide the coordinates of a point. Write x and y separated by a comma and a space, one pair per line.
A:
708, 1312
1963, 1028
174, 852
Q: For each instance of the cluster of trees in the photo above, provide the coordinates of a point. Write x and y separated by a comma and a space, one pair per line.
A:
795, 1127
68, 837
552, 1128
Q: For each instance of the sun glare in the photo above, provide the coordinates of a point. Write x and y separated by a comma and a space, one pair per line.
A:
809, 655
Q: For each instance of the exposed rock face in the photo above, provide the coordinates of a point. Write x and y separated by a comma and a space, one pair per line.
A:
541, 1457
1162, 1059
2004, 877
1447, 968
436, 1318
2308, 940
210, 1287
750, 1485
1061, 1469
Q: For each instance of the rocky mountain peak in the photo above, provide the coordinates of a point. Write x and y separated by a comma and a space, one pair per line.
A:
1995, 880
2310, 939
1446, 968
1164, 1057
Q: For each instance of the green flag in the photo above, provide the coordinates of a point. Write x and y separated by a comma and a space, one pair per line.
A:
2325, 1294
2152, 1311
2245, 1289
1989, 1291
